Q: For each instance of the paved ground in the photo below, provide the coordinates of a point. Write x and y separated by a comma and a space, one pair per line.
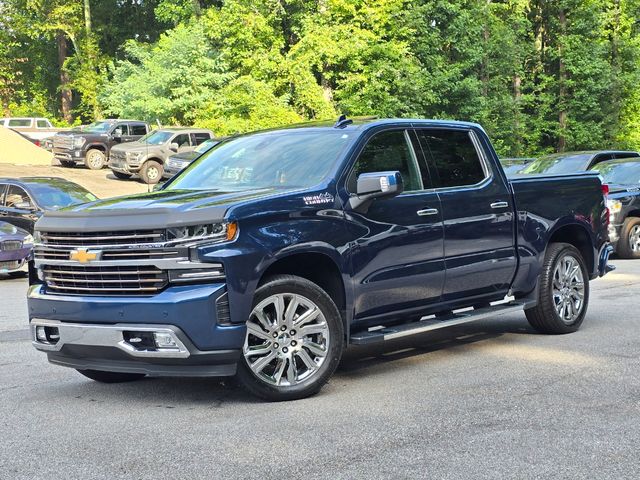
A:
491, 400
102, 183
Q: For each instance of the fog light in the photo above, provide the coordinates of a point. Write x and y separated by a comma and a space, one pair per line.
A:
41, 335
164, 340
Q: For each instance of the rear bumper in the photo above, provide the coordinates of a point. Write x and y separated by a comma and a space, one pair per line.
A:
107, 348
603, 260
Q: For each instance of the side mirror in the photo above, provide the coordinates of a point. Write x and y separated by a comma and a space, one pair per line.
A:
376, 185
174, 147
117, 133
23, 206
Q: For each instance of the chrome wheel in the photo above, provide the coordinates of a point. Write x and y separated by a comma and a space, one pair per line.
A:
634, 239
568, 289
287, 340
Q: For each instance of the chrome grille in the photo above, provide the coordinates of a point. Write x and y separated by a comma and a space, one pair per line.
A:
103, 239
9, 245
63, 141
105, 280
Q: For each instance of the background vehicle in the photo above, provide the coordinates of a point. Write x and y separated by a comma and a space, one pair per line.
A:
32, 127
513, 165
16, 245
623, 178
24, 200
178, 162
92, 144
572, 162
274, 250
148, 155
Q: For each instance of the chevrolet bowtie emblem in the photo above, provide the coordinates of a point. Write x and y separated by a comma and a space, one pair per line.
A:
83, 256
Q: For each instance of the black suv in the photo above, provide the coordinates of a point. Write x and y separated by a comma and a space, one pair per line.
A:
92, 145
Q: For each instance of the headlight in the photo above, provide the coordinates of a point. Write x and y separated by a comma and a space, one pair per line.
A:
27, 239
134, 156
79, 141
614, 206
212, 232
37, 238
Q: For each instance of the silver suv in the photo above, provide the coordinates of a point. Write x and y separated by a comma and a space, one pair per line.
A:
148, 155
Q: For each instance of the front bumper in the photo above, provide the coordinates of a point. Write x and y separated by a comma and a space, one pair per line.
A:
68, 155
110, 348
123, 166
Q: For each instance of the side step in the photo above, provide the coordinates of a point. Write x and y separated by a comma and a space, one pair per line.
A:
382, 334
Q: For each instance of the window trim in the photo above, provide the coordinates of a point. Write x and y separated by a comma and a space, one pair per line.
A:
413, 154
475, 141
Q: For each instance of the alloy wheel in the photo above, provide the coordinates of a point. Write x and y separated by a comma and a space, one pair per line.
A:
568, 289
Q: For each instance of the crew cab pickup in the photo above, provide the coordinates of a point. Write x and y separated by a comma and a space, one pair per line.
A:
92, 145
274, 250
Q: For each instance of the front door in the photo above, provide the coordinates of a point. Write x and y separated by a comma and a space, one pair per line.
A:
477, 209
18, 209
397, 260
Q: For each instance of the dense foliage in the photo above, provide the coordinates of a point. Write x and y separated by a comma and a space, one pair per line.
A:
540, 75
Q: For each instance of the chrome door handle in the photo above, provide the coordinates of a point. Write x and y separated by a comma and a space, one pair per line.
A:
427, 211
499, 204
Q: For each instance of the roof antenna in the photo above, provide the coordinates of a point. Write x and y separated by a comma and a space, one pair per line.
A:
342, 122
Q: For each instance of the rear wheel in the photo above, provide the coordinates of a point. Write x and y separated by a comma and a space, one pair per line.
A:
563, 291
95, 159
111, 377
629, 242
294, 340
122, 176
151, 172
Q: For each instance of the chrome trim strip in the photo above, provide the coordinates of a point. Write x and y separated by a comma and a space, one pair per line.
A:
161, 263
107, 336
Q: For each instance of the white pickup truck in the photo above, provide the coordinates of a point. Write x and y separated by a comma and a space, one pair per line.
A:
32, 127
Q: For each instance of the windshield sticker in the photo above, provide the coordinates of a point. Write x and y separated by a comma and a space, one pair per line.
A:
318, 199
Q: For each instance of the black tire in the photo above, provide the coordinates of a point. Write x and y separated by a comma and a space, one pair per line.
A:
18, 274
121, 175
290, 284
151, 172
544, 317
95, 159
67, 163
111, 377
629, 230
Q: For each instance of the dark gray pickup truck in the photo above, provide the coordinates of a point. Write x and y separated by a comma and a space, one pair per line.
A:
274, 250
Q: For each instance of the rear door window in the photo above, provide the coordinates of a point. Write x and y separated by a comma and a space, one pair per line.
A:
388, 151
198, 137
454, 157
20, 122
138, 130
42, 123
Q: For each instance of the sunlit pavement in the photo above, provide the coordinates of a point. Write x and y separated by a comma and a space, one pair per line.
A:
490, 400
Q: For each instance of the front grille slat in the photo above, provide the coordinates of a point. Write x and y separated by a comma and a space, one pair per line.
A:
92, 280
102, 239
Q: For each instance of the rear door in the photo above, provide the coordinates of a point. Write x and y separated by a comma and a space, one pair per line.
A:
137, 130
477, 209
198, 137
397, 260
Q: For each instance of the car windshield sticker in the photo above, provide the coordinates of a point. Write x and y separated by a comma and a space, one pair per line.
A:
318, 199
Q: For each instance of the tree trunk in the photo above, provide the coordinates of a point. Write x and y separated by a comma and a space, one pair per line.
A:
197, 8
562, 92
517, 98
65, 91
87, 17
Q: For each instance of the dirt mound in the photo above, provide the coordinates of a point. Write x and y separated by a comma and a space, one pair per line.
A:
20, 151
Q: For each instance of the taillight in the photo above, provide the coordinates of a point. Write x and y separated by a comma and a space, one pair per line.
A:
37, 143
605, 189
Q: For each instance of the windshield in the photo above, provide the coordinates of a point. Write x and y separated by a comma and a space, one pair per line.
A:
285, 159
624, 173
53, 194
558, 164
156, 137
206, 146
98, 127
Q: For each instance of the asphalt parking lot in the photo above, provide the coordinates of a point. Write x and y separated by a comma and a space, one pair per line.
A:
492, 399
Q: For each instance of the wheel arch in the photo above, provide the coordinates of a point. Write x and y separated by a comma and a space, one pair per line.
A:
577, 235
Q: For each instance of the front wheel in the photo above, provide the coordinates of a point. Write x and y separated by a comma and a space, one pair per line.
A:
111, 377
294, 340
95, 159
151, 172
563, 291
629, 242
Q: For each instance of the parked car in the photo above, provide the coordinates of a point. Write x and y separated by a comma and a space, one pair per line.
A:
24, 200
572, 162
91, 145
513, 165
623, 178
148, 155
180, 161
16, 245
32, 127
278, 248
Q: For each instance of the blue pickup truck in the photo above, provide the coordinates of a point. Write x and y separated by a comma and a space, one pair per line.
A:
273, 251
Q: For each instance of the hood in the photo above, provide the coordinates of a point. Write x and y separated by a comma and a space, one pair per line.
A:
160, 209
11, 232
137, 147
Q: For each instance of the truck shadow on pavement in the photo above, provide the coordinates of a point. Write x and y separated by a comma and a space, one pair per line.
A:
358, 361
